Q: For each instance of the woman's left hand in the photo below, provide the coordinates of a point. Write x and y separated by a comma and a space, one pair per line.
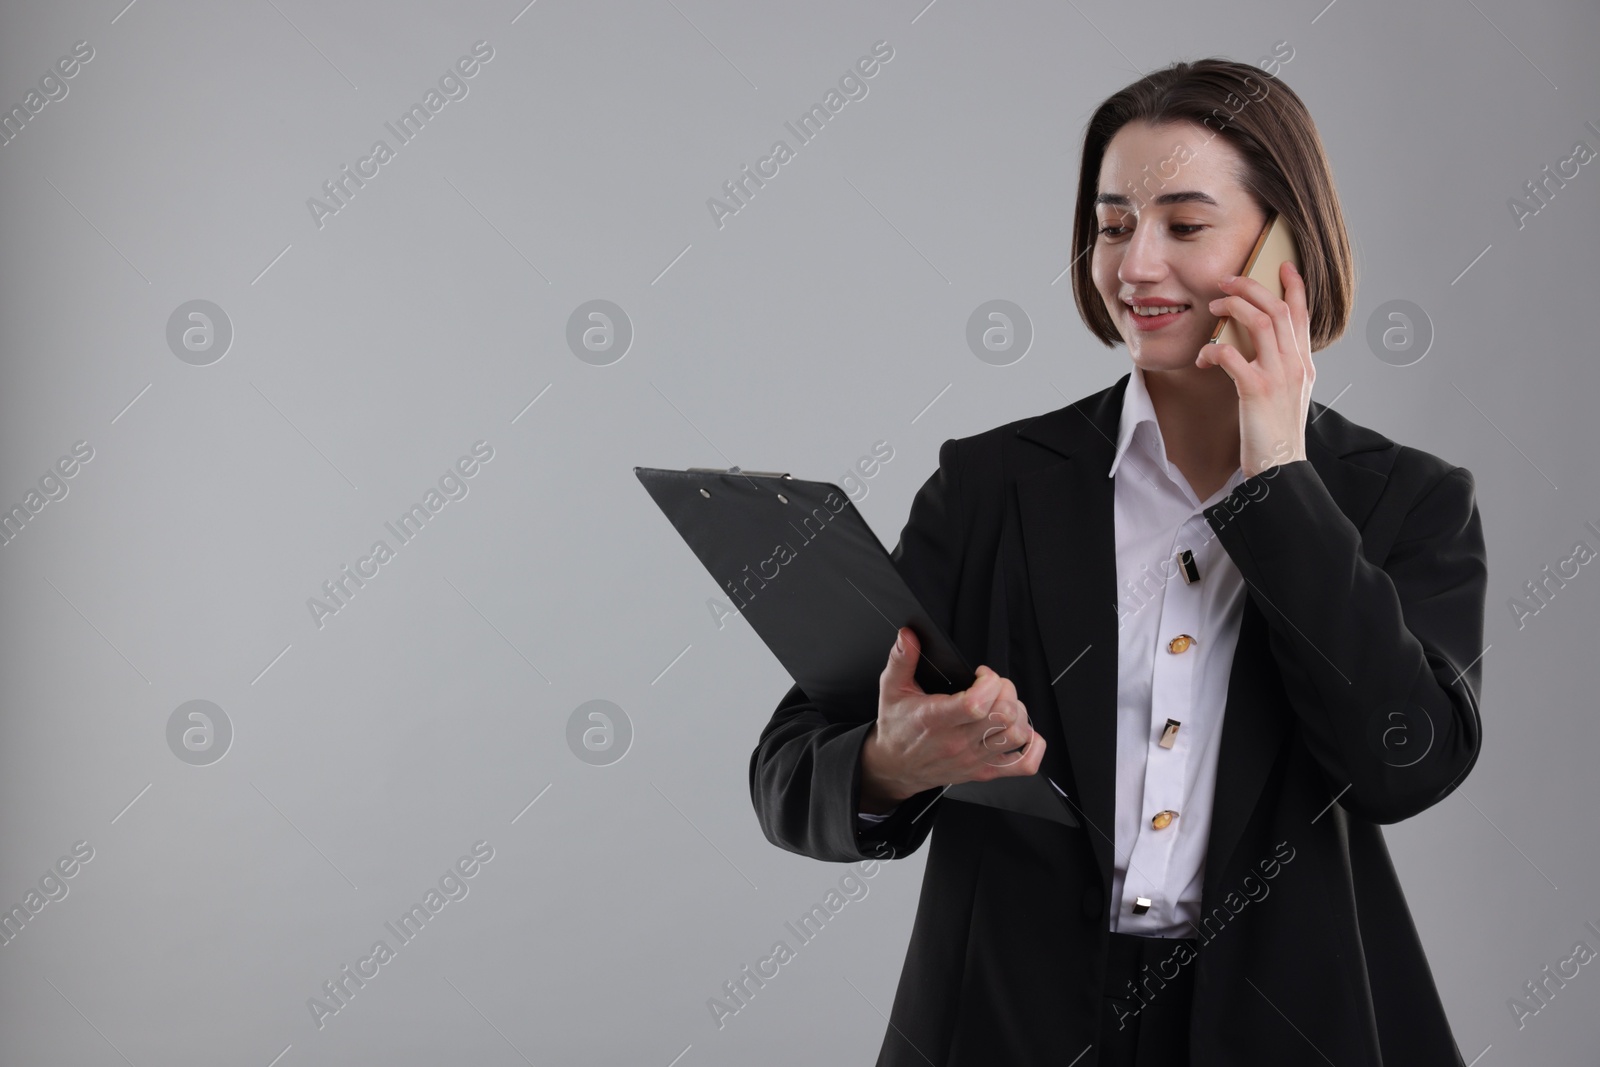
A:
1275, 387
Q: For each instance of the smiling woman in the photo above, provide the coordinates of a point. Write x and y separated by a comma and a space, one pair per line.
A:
1219, 126
1233, 148
1246, 708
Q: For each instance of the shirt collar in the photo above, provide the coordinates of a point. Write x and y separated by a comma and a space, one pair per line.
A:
1137, 410
1139, 427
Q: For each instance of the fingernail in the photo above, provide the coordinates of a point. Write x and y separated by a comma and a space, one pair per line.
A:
900, 644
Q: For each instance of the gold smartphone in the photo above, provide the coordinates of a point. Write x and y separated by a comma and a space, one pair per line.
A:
1273, 247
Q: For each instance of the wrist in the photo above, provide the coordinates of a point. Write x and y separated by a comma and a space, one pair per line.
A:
879, 789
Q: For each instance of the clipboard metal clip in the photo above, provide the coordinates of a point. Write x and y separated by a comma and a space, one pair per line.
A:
737, 470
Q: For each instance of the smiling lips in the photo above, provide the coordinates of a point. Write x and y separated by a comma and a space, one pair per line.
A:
1155, 316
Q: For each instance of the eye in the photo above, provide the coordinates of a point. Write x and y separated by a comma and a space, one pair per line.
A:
1182, 229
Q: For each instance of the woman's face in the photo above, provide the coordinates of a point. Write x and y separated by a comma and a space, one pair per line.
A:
1173, 222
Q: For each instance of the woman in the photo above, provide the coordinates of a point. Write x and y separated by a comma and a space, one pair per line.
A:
1293, 659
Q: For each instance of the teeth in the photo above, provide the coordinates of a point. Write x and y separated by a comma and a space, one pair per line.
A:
1147, 312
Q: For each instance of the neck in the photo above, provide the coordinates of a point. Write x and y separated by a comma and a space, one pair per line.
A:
1198, 409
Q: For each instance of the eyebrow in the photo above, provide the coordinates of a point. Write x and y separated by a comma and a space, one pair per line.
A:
1190, 197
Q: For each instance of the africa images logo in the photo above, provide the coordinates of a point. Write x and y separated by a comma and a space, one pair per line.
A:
453, 485
342, 188
339, 991
852, 86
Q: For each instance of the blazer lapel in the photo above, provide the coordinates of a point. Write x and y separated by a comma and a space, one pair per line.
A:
1069, 543
1069, 540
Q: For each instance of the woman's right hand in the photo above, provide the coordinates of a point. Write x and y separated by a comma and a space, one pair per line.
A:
924, 740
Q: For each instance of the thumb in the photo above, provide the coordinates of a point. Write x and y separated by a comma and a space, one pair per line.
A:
900, 674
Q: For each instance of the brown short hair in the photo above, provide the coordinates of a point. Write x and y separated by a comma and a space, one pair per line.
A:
1286, 172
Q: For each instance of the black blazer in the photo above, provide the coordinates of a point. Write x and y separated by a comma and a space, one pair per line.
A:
1352, 702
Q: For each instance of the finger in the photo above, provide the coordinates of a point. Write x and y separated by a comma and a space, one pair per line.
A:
1025, 762
900, 673
1251, 290
968, 707
1255, 322
997, 744
980, 696
1001, 753
1007, 730
1230, 359
1005, 716
1278, 312
1255, 294
1008, 691
1294, 293
1010, 709
1032, 759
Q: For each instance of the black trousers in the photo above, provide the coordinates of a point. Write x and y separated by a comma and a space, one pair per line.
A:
1144, 1013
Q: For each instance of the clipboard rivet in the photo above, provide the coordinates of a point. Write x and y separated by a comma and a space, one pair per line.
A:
705, 494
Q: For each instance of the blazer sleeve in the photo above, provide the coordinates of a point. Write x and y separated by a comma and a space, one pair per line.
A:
1382, 665
805, 771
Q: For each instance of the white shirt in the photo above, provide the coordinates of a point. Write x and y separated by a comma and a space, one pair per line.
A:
1156, 516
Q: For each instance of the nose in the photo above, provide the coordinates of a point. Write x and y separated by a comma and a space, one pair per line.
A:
1143, 259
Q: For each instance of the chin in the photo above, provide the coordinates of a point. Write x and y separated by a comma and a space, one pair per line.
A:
1166, 356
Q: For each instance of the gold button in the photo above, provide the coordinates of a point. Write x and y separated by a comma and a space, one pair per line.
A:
1180, 643
1163, 819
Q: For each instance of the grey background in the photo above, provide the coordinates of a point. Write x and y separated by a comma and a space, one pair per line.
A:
830, 313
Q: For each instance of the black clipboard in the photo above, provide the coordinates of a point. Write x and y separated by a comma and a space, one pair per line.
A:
802, 566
